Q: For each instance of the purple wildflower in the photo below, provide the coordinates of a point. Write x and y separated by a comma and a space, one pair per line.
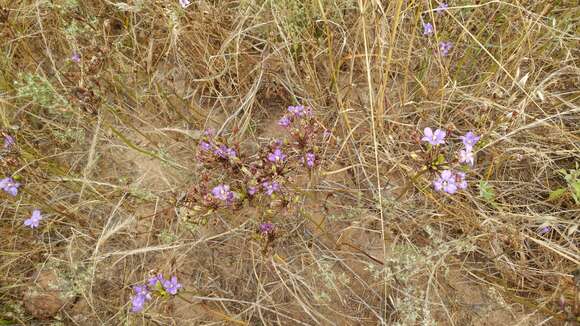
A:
171, 286
8, 141
34, 220
231, 152
271, 187
544, 229
466, 156
76, 57
276, 156
460, 180
209, 132
204, 146
297, 110
427, 29
184, 3
141, 296
266, 228
225, 152
284, 121
441, 8
445, 47
310, 158
9, 186
326, 133
252, 190
446, 182
222, 192
469, 140
434, 138
154, 280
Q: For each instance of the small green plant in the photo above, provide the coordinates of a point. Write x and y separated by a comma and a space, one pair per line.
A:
486, 191
572, 178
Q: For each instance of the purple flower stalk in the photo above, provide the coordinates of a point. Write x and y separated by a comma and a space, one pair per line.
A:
310, 159
184, 3
8, 141
445, 47
141, 296
34, 220
222, 192
446, 182
466, 156
469, 140
171, 286
266, 228
441, 8
427, 29
434, 138
277, 156
9, 186
284, 121
271, 187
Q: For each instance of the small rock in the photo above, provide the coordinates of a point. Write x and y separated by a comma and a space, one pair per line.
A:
42, 299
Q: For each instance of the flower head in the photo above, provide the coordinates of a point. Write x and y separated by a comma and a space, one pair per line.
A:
271, 187
266, 228
184, 3
209, 132
544, 229
204, 146
225, 152
466, 156
310, 158
446, 182
222, 192
469, 140
434, 138
445, 47
8, 141
75, 57
171, 286
34, 220
9, 186
441, 8
252, 190
427, 29
154, 280
284, 121
460, 180
297, 110
276, 156
141, 296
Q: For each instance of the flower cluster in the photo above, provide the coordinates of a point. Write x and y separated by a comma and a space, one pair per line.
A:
428, 30
450, 181
223, 193
9, 186
267, 228
156, 284
34, 220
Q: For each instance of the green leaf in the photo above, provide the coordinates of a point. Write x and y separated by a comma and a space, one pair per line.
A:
440, 159
486, 191
555, 194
